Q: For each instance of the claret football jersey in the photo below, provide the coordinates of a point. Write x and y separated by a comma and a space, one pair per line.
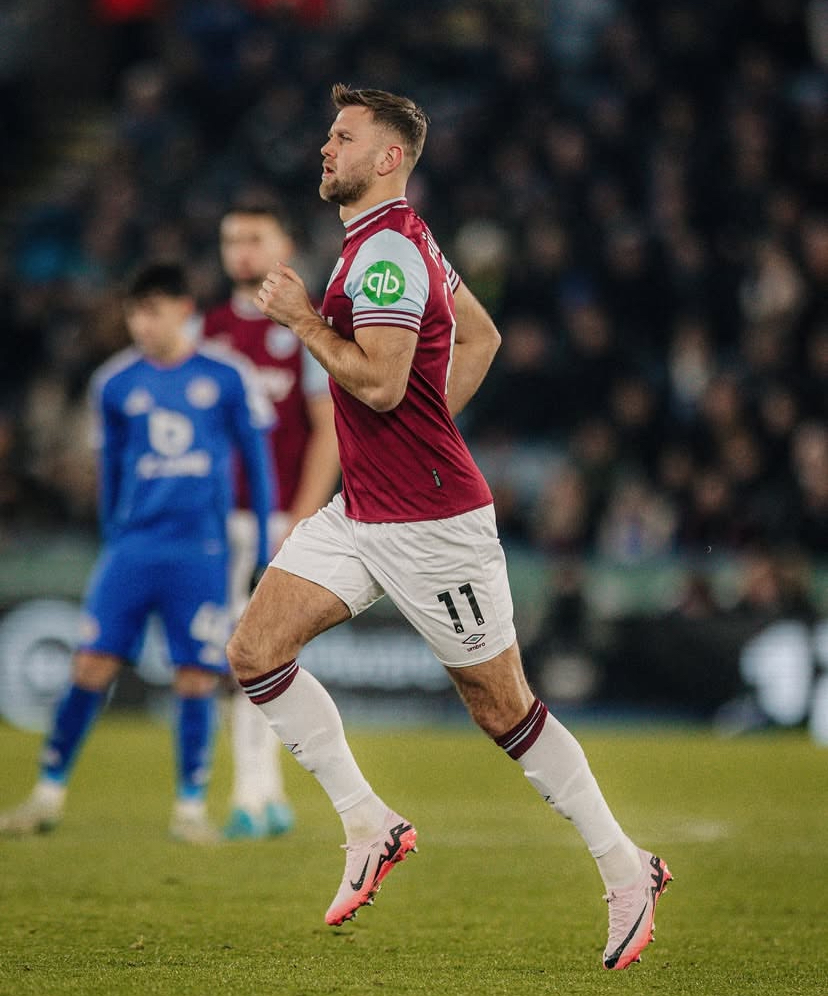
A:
290, 376
411, 463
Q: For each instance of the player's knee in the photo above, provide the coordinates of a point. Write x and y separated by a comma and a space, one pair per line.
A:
243, 655
495, 692
93, 671
491, 717
195, 682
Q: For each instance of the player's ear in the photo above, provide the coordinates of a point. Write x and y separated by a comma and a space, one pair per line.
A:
390, 159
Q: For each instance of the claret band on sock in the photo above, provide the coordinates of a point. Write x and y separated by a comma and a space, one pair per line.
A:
521, 737
269, 686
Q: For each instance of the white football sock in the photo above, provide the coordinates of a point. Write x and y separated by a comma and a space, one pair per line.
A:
557, 767
306, 720
364, 820
49, 793
190, 808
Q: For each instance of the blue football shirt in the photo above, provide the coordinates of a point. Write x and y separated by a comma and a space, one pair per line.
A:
167, 437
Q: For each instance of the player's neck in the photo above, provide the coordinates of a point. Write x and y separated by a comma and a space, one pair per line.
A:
243, 300
376, 195
173, 354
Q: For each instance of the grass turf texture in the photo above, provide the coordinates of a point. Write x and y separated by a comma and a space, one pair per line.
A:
501, 899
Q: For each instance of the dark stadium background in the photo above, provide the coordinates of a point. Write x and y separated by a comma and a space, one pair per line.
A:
637, 191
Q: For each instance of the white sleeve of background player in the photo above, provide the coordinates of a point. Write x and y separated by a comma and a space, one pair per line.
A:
314, 375
388, 283
262, 412
451, 273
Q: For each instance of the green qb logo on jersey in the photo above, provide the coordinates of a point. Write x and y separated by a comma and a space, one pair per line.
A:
384, 282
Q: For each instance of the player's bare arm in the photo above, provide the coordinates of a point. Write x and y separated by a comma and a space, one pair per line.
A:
374, 367
476, 342
320, 467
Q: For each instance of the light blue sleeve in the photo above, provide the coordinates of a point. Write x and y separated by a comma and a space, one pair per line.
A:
388, 282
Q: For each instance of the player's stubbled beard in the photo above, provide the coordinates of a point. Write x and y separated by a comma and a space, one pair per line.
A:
347, 190
344, 192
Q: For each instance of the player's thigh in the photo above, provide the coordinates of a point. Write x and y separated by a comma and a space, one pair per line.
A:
118, 599
316, 580
285, 613
191, 598
448, 578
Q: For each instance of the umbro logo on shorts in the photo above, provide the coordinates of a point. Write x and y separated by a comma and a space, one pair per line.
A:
477, 641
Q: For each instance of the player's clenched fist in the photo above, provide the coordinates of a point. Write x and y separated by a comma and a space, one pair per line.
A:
283, 297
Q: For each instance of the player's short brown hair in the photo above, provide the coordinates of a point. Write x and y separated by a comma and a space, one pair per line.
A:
399, 114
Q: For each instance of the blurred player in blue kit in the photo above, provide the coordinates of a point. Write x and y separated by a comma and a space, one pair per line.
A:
171, 416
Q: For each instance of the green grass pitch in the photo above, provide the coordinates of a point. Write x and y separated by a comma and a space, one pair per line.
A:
501, 899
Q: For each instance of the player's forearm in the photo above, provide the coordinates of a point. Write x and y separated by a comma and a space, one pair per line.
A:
475, 344
109, 478
470, 364
348, 363
263, 488
377, 378
106, 505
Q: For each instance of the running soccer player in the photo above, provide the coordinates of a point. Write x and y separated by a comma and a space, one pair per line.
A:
171, 417
304, 453
406, 345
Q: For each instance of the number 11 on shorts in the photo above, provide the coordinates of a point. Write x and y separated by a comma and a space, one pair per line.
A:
454, 615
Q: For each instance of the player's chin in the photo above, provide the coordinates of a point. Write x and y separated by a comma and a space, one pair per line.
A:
250, 281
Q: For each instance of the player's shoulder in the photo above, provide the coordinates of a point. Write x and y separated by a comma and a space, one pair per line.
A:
228, 365
404, 248
223, 357
117, 367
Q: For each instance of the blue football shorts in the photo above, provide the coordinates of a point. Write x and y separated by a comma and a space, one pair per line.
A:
186, 587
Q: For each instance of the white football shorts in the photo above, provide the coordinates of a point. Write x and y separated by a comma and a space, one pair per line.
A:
446, 576
243, 537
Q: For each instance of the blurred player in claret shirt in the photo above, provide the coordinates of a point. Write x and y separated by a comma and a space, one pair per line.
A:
254, 238
406, 345
172, 416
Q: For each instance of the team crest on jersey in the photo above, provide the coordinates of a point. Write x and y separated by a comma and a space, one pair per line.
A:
202, 392
138, 402
280, 342
383, 283
170, 433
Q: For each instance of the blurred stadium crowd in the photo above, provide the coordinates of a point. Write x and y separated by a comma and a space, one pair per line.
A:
637, 190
